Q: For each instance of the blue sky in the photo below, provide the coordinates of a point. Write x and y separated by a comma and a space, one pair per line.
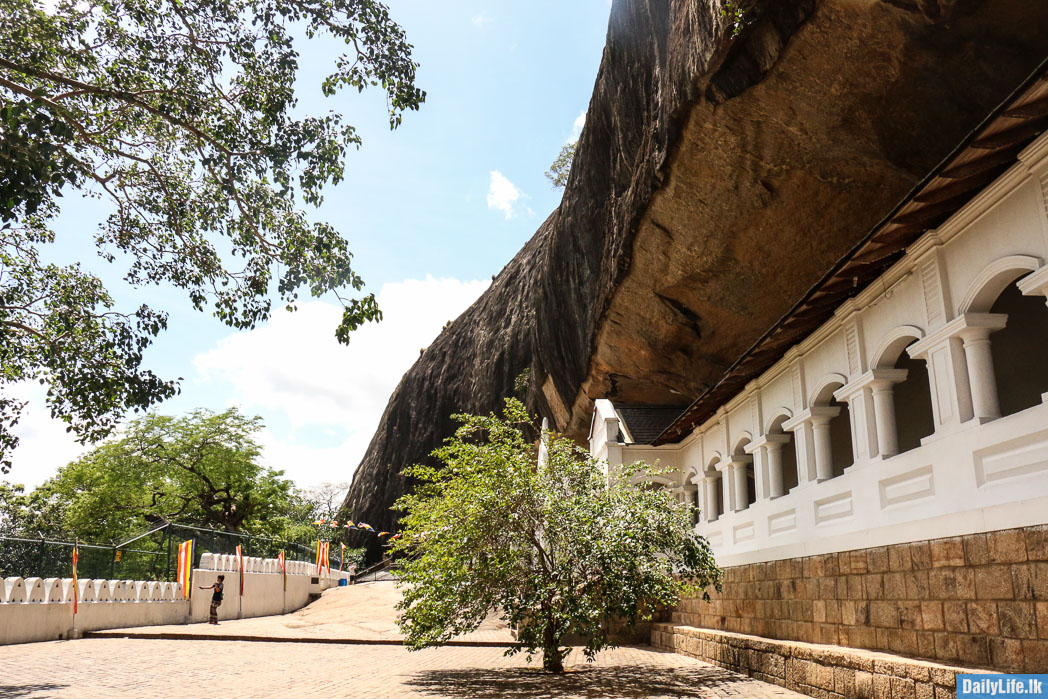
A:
431, 210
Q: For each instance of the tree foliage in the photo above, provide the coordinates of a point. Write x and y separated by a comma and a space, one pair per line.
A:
561, 167
182, 114
555, 548
202, 469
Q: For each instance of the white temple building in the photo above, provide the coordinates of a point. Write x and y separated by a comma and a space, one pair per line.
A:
918, 410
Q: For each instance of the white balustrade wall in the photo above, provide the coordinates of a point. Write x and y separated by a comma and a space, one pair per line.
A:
35, 609
918, 411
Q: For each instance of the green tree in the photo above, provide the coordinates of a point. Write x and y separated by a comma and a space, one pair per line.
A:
202, 469
182, 114
555, 548
561, 167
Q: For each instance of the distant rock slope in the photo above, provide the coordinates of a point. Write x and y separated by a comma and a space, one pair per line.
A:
716, 179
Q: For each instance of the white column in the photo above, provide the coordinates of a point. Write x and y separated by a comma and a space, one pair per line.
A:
767, 455
979, 359
759, 487
884, 413
953, 370
739, 466
775, 484
815, 455
727, 489
884, 409
820, 425
804, 446
712, 512
864, 425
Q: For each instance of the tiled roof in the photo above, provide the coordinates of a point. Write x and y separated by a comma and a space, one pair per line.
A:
646, 422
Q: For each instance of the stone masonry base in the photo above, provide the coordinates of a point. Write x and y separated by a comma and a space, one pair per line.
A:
977, 600
815, 670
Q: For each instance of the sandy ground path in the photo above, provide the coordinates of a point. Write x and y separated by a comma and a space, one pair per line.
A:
363, 612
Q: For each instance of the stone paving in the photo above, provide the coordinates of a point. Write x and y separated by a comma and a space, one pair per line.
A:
106, 667
138, 667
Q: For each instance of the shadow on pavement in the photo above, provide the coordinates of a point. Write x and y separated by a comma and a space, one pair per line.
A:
36, 689
581, 681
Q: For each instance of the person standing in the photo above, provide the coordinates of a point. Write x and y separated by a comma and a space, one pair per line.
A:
216, 598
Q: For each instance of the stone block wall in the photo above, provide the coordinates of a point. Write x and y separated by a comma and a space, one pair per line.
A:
826, 672
979, 600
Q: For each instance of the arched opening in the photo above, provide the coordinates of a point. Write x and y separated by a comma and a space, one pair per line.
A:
788, 455
718, 497
913, 403
841, 438
744, 463
1018, 350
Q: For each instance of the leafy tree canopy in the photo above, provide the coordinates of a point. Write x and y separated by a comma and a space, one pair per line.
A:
180, 113
561, 167
202, 469
555, 548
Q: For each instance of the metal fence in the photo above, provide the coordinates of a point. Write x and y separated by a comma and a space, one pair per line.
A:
148, 556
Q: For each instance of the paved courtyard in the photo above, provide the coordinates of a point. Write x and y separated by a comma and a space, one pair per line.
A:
140, 667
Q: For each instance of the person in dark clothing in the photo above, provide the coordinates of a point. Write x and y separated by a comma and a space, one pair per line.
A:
216, 598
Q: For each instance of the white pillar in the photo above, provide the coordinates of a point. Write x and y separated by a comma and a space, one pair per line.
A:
727, 488
957, 361
823, 447
767, 455
739, 466
775, 481
884, 413
759, 486
712, 512
979, 358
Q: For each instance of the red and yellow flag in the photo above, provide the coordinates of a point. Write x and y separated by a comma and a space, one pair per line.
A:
76, 587
281, 561
240, 567
185, 567
323, 548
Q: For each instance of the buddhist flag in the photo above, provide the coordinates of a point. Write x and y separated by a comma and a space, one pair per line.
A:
322, 556
76, 588
185, 567
341, 557
283, 568
240, 567
365, 525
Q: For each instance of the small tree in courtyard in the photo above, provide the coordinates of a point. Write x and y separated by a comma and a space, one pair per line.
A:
555, 548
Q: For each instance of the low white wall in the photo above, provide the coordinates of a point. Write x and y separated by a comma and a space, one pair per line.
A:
32, 609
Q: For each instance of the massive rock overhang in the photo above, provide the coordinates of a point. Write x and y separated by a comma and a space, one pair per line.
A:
987, 152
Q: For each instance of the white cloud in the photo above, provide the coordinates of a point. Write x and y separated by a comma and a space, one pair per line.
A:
480, 21
294, 368
503, 195
44, 446
576, 129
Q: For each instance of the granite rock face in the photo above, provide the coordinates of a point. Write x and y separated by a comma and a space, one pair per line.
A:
716, 179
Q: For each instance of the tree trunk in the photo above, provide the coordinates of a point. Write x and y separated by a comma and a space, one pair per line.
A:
552, 658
